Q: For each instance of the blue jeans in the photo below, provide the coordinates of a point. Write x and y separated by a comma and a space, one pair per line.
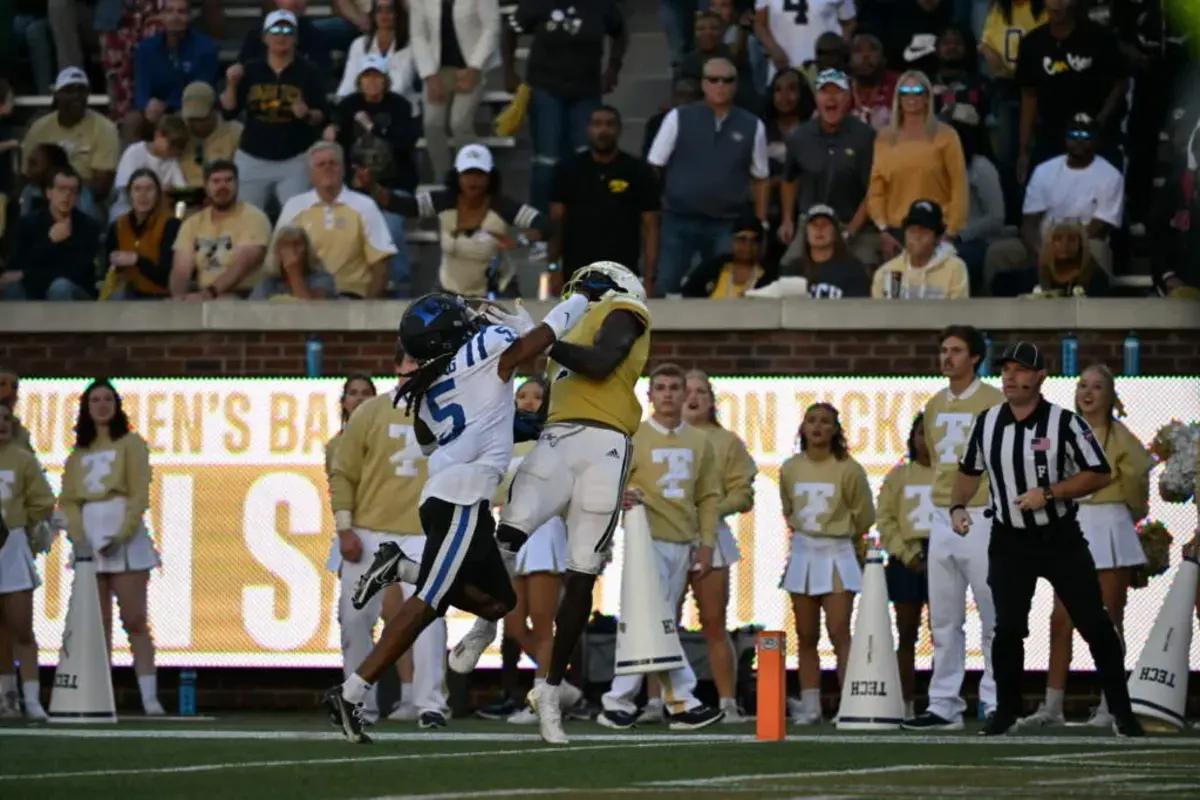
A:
558, 127
398, 269
682, 238
34, 33
59, 289
678, 19
337, 32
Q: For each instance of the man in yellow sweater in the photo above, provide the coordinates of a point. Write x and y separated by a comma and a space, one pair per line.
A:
376, 482
675, 476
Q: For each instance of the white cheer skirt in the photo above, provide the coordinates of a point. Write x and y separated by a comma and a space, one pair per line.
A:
18, 572
1110, 534
726, 553
545, 550
102, 521
811, 565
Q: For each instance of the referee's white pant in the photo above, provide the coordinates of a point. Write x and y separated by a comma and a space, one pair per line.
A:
956, 563
358, 627
673, 560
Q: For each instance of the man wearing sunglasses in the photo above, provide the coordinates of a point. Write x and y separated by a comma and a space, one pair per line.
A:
1078, 185
713, 157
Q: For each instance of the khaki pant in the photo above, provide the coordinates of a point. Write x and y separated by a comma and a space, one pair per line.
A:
460, 109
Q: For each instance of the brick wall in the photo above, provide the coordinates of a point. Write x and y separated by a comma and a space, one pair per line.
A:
720, 352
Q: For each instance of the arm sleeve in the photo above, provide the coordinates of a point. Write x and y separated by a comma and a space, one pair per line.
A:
522, 215
1082, 446
708, 495
104, 157
1110, 201
354, 59
69, 502
664, 142
347, 464
1035, 192
960, 283
422, 54
887, 516
859, 500
739, 469
760, 167
137, 478
39, 498
877, 186
991, 219
972, 462
489, 34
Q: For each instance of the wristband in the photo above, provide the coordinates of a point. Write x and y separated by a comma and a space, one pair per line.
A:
566, 314
343, 520
957, 507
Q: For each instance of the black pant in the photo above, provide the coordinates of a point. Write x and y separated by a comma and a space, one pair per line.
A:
1016, 559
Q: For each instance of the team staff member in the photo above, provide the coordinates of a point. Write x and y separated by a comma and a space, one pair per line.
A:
1040, 458
26, 503
736, 471
674, 475
105, 494
956, 563
1107, 519
375, 486
827, 502
905, 518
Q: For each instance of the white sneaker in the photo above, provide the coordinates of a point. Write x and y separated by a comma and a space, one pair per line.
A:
35, 713
1100, 719
795, 708
733, 716
544, 701
10, 705
466, 653
568, 695
1042, 718
652, 713
153, 708
404, 712
526, 716
805, 718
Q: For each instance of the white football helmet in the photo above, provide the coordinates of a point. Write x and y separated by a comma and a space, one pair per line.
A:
600, 277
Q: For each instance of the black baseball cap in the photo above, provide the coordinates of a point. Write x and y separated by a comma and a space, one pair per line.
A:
1026, 354
927, 214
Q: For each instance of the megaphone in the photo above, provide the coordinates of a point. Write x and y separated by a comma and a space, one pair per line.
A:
83, 680
646, 641
1158, 684
871, 695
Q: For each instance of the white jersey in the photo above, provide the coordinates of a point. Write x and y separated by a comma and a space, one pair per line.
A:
470, 412
796, 24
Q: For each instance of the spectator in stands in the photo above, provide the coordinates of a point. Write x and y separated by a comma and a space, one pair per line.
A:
917, 157
910, 38
310, 44
822, 258
713, 158
1065, 266
737, 21
32, 32
453, 42
829, 164
211, 137
708, 36
73, 26
139, 243
833, 52
564, 71
985, 218
789, 32
164, 65
283, 96
351, 19
791, 104
294, 272
605, 205
927, 268
220, 248
677, 17
160, 156
730, 275
347, 231
376, 128
40, 165
956, 79
1175, 217
683, 91
873, 84
1079, 185
473, 220
138, 20
1068, 66
387, 37
88, 137
55, 248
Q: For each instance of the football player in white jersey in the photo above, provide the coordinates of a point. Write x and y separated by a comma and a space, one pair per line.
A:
461, 400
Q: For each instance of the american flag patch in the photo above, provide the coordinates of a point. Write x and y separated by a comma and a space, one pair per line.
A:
1040, 444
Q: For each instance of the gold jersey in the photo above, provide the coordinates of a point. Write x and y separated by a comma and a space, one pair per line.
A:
905, 510
736, 469
1131, 466
677, 474
378, 469
949, 419
104, 470
827, 497
25, 496
610, 401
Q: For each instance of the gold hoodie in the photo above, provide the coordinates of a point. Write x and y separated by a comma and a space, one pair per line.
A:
943, 278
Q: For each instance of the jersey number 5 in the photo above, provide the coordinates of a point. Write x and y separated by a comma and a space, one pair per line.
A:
452, 412
799, 8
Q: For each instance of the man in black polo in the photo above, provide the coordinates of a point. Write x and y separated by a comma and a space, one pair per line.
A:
605, 204
1039, 458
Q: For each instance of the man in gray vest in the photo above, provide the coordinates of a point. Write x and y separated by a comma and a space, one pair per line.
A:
711, 154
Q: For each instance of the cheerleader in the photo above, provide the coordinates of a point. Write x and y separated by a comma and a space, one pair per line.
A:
827, 503
905, 520
105, 494
1107, 519
26, 503
737, 471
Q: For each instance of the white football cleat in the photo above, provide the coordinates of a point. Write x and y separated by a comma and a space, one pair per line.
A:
651, 713
1100, 718
1042, 718
544, 700
466, 653
526, 716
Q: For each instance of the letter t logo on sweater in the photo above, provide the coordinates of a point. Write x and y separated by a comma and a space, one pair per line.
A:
952, 443
679, 469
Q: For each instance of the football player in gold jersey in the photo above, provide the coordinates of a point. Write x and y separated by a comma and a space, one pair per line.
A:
579, 466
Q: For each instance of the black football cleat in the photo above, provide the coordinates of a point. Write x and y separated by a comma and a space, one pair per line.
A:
345, 716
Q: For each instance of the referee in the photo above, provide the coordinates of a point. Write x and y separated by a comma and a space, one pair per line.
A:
1039, 457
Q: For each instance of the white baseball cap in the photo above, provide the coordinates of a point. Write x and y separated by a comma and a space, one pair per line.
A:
474, 156
373, 62
71, 76
280, 15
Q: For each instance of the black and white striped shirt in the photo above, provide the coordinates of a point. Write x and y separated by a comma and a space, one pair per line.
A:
1048, 446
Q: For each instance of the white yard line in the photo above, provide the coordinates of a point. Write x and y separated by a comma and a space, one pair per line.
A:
828, 773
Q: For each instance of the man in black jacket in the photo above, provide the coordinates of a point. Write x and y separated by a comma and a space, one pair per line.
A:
55, 248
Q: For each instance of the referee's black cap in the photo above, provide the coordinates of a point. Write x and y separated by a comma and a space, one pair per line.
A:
1026, 354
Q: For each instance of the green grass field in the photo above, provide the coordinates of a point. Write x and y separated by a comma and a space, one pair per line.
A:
301, 757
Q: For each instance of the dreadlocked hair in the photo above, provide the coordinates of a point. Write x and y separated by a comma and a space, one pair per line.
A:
420, 379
